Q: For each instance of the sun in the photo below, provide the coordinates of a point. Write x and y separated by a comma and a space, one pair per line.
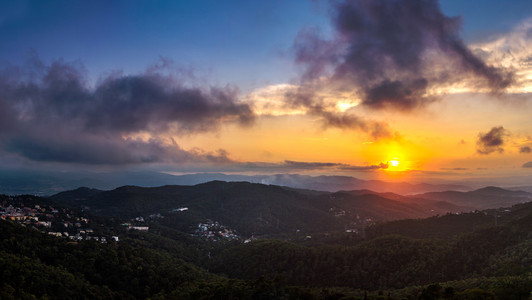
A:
394, 162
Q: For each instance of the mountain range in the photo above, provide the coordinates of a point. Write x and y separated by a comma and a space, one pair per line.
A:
291, 244
253, 208
484, 198
37, 182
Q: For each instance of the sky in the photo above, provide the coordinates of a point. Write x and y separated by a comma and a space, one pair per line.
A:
375, 89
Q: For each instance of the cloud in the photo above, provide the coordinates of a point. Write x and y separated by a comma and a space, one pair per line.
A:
404, 95
392, 54
491, 141
50, 113
527, 165
269, 100
145, 102
290, 165
309, 101
366, 168
525, 149
376, 129
309, 165
454, 169
96, 150
321, 165
220, 156
513, 50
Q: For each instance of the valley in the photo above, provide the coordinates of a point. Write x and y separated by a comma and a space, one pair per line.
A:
246, 240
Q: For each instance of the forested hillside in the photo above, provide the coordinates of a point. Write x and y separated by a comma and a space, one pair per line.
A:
256, 209
475, 255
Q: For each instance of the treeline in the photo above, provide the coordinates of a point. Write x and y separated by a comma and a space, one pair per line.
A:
388, 262
469, 258
33, 264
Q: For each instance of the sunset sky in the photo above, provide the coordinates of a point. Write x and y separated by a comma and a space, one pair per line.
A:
375, 89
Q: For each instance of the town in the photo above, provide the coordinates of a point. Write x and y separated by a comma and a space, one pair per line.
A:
56, 221
48, 218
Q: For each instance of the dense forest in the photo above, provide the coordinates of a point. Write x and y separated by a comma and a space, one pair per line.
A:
476, 255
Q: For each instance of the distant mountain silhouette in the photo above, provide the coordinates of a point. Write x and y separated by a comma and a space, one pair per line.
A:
38, 182
255, 208
324, 183
484, 198
79, 194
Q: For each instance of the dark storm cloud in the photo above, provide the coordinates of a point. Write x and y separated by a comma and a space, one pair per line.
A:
391, 52
525, 149
95, 150
50, 113
99, 150
403, 95
491, 141
345, 121
527, 165
121, 103
145, 102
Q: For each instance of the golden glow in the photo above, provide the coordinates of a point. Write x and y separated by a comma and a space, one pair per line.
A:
393, 163
400, 154
439, 142
343, 106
